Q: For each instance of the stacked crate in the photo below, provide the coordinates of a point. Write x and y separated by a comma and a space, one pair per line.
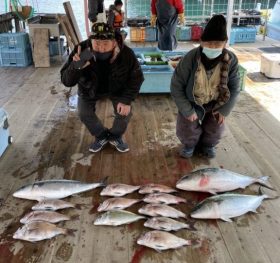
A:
15, 50
196, 32
243, 35
183, 33
137, 34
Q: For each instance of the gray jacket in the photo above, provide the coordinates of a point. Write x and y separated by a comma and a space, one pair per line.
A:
182, 85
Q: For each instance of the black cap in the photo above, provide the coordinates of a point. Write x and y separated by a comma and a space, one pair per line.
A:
118, 2
215, 30
102, 31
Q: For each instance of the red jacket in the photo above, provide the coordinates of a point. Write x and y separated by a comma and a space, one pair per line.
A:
178, 4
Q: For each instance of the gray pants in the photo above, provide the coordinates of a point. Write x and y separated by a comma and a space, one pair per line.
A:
86, 112
208, 133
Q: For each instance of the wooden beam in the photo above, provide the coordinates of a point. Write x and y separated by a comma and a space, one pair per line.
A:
41, 54
72, 20
67, 28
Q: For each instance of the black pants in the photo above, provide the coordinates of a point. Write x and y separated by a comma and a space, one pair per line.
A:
86, 112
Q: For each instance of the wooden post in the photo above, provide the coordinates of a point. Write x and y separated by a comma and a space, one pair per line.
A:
41, 54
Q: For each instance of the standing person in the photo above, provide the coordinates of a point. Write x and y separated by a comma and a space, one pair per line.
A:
103, 67
205, 86
96, 11
116, 15
165, 15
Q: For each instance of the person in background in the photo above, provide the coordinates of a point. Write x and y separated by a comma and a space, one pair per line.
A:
103, 67
165, 15
116, 15
205, 86
96, 11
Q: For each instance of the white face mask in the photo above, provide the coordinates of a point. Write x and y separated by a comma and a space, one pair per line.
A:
212, 53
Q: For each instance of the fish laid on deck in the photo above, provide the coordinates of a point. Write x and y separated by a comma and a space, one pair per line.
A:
227, 206
117, 203
162, 198
117, 218
37, 231
160, 240
161, 210
47, 216
156, 188
167, 224
53, 205
215, 180
118, 190
55, 189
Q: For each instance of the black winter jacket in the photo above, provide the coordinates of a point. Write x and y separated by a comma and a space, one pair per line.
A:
125, 78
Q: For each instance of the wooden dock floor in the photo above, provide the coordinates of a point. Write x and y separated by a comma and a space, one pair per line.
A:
50, 142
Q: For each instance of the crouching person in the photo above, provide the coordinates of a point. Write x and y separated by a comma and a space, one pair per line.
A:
103, 67
205, 86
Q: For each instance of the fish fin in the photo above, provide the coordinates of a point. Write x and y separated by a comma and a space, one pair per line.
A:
163, 228
75, 217
254, 211
213, 192
263, 180
104, 182
226, 219
70, 232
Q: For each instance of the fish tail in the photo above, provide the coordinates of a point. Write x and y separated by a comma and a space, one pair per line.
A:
75, 217
70, 232
263, 180
191, 226
265, 196
104, 182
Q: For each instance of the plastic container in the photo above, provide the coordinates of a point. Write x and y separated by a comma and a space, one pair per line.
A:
155, 59
137, 34
5, 138
196, 32
16, 57
270, 65
183, 33
14, 40
150, 34
242, 73
53, 47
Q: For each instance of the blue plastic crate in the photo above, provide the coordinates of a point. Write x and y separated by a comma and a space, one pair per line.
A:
157, 79
243, 35
139, 50
150, 34
53, 47
184, 33
5, 138
15, 57
14, 40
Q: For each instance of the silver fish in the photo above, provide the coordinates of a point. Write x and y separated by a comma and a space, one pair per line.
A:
117, 203
53, 205
215, 180
118, 190
47, 216
156, 188
162, 198
117, 218
37, 231
161, 210
227, 206
166, 224
55, 189
160, 240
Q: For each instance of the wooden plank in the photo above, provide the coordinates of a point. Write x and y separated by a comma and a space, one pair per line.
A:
72, 20
41, 53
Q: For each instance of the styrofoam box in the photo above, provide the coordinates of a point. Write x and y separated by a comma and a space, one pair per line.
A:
270, 65
4, 131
